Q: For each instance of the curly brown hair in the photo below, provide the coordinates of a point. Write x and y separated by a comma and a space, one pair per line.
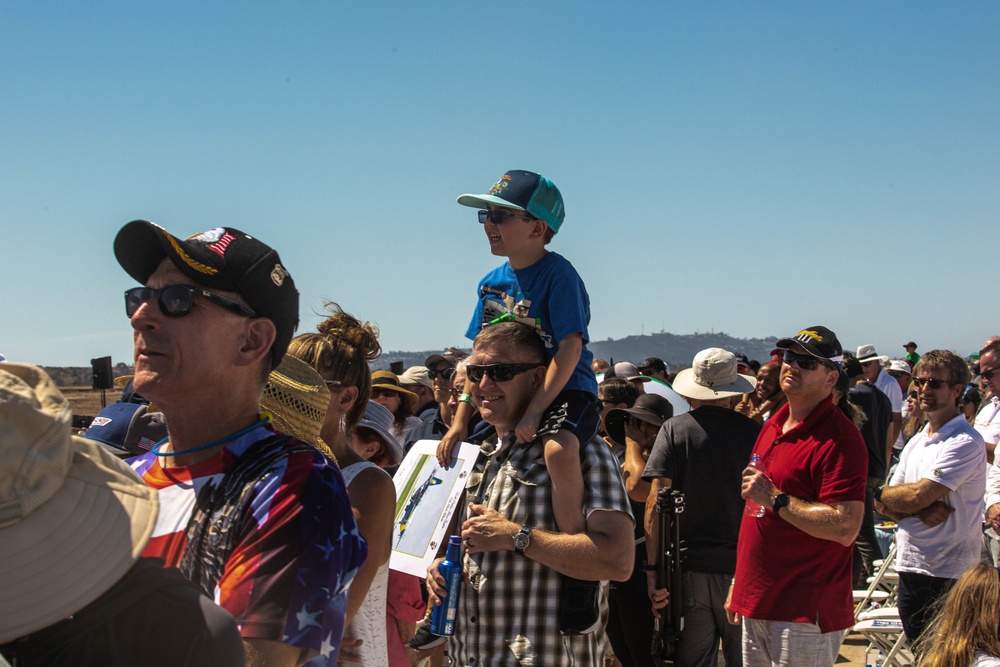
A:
341, 351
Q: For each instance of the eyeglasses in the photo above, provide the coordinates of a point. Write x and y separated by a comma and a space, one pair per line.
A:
805, 362
384, 393
497, 372
176, 300
930, 382
869, 363
987, 374
443, 373
497, 215
897, 374
913, 394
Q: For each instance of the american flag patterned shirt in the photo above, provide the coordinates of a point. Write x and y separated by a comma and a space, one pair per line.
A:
298, 549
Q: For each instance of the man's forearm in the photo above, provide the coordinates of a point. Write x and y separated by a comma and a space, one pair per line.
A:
903, 500
591, 556
838, 523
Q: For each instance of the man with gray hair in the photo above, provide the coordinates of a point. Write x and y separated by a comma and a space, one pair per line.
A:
256, 518
702, 453
873, 365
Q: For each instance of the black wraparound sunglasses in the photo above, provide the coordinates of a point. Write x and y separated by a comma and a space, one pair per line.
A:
176, 300
497, 372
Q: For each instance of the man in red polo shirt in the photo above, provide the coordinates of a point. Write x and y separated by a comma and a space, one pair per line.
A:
793, 563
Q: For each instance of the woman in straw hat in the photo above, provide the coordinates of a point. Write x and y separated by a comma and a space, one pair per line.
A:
387, 392
340, 353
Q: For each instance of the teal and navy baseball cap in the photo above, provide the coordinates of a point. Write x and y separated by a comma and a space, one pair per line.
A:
524, 191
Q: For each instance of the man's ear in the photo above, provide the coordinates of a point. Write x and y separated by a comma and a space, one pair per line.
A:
257, 341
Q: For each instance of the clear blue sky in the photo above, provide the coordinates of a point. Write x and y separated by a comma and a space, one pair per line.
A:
751, 167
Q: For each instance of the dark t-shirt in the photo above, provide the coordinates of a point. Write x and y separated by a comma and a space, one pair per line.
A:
703, 453
152, 616
878, 411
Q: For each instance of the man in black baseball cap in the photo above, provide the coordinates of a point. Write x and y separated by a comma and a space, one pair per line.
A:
213, 316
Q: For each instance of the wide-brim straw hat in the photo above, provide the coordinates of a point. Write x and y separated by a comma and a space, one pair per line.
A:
297, 398
713, 376
390, 381
73, 517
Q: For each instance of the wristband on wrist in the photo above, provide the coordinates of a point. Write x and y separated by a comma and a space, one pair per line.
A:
465, 398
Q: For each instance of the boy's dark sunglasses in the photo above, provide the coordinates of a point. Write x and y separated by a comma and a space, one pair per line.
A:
176, 300
443, 373
804, 361
497, 372
497, 216
930, 382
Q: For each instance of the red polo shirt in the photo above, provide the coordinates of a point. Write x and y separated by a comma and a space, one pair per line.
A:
783, 574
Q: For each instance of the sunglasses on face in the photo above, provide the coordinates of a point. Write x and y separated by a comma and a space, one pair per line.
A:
176, 300
444, 373
383, 393
803, 361
913, 394
497, 216
930, 382
987, 374
897, 374
497, 372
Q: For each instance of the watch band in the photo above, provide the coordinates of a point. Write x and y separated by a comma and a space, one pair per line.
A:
465, 398
522, 539
781, 500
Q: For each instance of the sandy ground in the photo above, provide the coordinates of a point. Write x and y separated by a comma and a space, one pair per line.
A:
86, 401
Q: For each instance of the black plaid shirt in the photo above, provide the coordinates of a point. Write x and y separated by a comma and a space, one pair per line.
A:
509, 613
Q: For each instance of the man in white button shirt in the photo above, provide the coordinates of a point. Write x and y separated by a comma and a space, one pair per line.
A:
935, 494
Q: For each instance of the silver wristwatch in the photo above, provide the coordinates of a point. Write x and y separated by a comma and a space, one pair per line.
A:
522, 539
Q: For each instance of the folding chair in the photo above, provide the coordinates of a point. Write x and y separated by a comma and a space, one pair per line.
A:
882, 586
884, 632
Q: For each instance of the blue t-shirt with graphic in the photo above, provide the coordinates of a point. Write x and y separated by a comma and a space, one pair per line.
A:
548, 296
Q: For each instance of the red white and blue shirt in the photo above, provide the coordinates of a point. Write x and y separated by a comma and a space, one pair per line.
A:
286, 578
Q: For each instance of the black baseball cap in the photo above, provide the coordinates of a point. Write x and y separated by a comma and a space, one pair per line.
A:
652, 364
224, 259
817, 341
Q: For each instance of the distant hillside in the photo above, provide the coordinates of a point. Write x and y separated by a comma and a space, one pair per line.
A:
81, 376
679, 350
676, 350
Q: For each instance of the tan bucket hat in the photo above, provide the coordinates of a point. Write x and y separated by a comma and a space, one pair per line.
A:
713, 376
73, 517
